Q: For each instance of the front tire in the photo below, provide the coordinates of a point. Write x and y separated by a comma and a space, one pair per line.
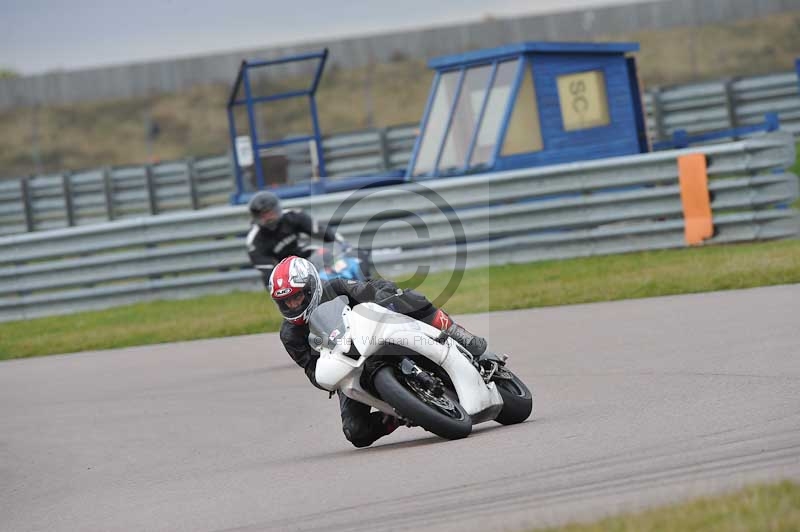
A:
443, 416
517, 398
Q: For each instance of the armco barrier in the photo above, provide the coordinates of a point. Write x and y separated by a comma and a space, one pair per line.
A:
47, 202
721, 105
369, 152
42, 203
579, 209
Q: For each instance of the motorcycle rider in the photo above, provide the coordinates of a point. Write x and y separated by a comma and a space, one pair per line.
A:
276, 234
296, 289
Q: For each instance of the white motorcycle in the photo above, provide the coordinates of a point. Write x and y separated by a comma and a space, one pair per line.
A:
406, 368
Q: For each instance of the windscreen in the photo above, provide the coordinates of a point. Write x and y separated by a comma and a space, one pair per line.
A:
326, 326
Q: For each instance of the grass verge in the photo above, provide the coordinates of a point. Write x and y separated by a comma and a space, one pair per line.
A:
796, 171
550, 283
762, 508
796, 168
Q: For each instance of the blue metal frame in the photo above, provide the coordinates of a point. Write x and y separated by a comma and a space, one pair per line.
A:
314, 117
272, 98
232, 135
251, 120
290, 59
249, 100
317, 137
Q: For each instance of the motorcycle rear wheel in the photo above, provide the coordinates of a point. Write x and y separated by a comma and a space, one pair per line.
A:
443, 416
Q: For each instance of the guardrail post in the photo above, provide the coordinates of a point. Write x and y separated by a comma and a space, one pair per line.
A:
658, 115
108, 190
191, 176
151, 191
383, 141
27, 203
730, 104
797, 67
66, 184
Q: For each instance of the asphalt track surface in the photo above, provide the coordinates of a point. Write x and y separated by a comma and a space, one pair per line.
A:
638, 403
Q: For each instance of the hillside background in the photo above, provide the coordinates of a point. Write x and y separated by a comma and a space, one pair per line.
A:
49, 139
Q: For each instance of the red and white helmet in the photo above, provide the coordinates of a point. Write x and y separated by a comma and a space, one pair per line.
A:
295, 288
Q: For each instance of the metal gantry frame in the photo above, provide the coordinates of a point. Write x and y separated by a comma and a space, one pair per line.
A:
243, 79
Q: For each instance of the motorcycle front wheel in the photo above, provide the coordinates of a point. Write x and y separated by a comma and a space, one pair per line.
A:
517, 398
443, 415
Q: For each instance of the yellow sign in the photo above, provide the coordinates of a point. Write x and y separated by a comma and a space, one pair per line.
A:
584, 101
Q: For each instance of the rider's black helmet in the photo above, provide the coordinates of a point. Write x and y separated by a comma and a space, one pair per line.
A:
265, 209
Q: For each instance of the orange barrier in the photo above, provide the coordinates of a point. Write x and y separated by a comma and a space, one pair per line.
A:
698, 224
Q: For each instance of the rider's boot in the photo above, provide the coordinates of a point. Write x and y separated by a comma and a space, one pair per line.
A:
390, 423
476, 345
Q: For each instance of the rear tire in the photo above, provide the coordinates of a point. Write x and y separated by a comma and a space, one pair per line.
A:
517, 398
443, 416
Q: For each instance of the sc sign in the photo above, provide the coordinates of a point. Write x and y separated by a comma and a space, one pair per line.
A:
583, 99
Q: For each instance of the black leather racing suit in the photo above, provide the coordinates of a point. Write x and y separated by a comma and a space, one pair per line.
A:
360, 426
267, 248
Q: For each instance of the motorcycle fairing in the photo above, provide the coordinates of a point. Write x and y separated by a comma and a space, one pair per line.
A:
372, 327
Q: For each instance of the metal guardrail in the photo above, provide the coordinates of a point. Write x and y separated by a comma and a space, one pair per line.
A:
42, 203
360, 153
579, 209
48, 202
721, 105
